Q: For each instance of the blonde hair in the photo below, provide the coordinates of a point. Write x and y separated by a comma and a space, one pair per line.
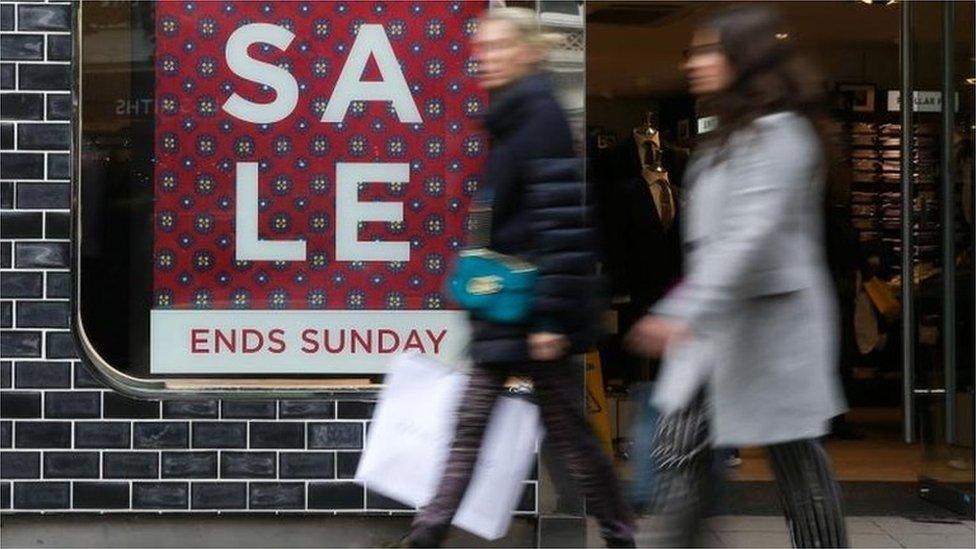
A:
526, 24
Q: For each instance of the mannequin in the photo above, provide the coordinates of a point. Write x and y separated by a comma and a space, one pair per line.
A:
642, 218
648, 141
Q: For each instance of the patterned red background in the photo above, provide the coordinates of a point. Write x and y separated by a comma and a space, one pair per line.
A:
198, 144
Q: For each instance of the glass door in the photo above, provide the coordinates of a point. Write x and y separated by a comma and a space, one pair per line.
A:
937, 233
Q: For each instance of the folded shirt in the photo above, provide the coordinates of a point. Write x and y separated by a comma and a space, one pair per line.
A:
864, 210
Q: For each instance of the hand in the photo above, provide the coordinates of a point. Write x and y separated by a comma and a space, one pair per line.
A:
652, 335
547, 346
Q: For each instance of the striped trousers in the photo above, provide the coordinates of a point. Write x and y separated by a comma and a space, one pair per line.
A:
682, 458
574, 447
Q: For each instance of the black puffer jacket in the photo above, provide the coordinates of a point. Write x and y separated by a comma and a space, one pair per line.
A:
538, 214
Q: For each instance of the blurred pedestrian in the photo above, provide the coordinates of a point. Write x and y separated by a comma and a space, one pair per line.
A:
537, 214
757, 288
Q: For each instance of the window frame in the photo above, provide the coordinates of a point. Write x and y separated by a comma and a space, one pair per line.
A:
175, 387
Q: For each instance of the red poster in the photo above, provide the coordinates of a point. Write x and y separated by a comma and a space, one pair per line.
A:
314, 162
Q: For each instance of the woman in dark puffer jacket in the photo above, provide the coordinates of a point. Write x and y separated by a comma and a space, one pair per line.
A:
538, 215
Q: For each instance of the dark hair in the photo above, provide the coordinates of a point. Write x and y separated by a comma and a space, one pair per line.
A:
770, 74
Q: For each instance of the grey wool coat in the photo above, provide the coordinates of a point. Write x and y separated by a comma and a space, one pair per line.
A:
757, 293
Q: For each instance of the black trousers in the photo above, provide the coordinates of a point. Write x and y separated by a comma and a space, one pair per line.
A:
574, 446
808, 491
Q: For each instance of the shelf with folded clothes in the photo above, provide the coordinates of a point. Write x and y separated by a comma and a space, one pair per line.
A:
894, 129
875, 161
864, 210
894, 224
921, 253
865, 180
864, 140
920, 180
919, 157
866, 154
861, 197
921, 141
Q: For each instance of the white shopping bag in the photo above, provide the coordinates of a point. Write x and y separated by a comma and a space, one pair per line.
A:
409, 441
506, 457
411, 429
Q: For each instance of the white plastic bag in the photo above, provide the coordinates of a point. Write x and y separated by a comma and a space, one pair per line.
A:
411, 429
410, 436
507, 453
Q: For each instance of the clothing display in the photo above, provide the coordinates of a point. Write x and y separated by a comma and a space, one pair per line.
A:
875, 161
640, 212
866, 329
648, 141
865, 153
661, 194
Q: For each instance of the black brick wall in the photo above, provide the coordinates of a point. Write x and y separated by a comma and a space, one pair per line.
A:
67, 442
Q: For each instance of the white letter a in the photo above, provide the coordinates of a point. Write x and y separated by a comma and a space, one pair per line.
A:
393, 87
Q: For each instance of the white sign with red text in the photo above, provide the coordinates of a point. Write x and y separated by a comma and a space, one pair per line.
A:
301, 342
313, 166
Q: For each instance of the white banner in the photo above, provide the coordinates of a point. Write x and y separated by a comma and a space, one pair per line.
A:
925, 101
300, 342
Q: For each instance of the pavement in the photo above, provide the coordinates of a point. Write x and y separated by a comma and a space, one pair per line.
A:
240, 531
770, 531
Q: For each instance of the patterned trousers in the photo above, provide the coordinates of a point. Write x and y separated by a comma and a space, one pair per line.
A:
682, 458
574, 446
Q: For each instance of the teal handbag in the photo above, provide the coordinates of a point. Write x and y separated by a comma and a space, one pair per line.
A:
491, 286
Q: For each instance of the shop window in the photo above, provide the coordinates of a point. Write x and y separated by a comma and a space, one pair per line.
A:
249, 217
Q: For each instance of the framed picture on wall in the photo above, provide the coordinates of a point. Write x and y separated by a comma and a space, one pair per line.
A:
857, 97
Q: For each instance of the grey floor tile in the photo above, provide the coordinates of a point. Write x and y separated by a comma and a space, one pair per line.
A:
770, 531
897, 526
872, 541
936, 540
729, 523
863, 525
710, 539
754, 539
956, 540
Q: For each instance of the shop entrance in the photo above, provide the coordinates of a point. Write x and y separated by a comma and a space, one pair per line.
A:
908, 378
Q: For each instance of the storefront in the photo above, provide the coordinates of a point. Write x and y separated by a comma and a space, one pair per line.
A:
266, 200
907, 369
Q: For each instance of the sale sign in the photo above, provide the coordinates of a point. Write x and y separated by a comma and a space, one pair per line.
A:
313, 167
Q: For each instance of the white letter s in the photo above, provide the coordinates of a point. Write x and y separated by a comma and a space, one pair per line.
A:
284, 84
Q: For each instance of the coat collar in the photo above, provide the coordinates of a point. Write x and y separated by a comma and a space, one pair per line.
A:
507, 106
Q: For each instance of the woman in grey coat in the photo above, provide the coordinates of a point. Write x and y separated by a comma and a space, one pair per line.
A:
755, 304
